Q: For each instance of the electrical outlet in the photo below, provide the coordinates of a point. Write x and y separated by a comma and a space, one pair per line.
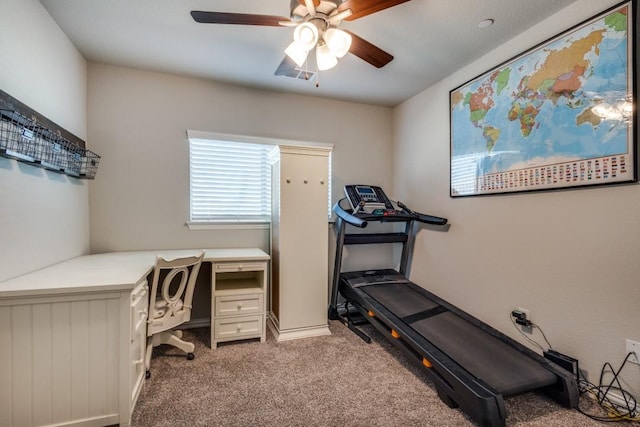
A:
527, 315
633, 347
526, 312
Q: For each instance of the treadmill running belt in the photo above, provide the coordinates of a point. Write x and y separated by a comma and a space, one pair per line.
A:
483, 355
399, 298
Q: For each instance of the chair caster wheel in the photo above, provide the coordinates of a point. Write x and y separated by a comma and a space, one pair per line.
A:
147, 375
191, 356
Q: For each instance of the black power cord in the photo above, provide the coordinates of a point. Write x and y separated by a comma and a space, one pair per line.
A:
616, 412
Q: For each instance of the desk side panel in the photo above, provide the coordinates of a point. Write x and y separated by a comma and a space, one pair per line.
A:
57, 359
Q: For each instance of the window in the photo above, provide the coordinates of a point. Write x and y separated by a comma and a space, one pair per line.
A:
230, 178
230, 181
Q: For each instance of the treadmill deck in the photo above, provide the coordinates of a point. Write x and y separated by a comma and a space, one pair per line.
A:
488, 358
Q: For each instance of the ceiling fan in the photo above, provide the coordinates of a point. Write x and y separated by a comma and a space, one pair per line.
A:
316, 25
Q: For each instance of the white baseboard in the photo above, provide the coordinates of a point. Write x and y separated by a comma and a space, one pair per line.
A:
297, 333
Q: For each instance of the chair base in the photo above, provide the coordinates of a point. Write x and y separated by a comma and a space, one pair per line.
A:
171, 337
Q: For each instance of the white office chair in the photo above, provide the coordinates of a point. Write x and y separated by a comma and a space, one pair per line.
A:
170, 303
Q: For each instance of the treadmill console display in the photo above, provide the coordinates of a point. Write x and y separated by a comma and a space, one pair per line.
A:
367, 199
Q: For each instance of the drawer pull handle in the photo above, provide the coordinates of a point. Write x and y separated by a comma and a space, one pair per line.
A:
239, 306
138, 362
239, 328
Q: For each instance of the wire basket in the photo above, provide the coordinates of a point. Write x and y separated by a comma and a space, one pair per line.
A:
24, 139
50, 150
71, 159
18, 136
89, 167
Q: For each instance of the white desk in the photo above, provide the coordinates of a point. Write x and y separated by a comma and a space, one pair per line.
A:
70, 352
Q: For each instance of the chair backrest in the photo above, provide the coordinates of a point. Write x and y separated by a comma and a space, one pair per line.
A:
170, 303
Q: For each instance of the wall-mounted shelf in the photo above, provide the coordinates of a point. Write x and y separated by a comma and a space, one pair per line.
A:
29, 137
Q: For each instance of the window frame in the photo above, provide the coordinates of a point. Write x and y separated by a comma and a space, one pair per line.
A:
274, 142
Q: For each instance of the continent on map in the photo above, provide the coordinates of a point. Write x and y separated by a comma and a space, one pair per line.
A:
491, 134
567, 64
456, 98
480, 102
526, 113
588, 117
559, 76
617, 21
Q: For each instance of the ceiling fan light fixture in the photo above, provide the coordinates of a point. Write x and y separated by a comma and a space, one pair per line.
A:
338, 41
306, 35
325, 58
297, 53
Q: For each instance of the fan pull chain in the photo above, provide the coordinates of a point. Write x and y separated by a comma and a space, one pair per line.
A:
306, 69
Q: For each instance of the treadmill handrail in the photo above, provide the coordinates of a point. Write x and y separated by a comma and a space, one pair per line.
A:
420, 217
346, 216
404, 215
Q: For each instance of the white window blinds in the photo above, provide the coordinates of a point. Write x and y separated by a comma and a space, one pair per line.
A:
229, 181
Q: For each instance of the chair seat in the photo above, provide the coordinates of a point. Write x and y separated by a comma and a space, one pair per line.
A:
170, 303
162, 307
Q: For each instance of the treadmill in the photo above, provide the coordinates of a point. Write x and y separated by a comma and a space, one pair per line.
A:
473, 366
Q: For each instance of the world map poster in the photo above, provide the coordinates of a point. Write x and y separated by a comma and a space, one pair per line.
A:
559, 115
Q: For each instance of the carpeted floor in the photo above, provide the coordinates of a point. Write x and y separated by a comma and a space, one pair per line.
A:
335, 380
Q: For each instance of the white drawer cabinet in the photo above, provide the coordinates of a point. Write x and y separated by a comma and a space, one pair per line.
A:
238, 304
74, 334
73, 358
139, 312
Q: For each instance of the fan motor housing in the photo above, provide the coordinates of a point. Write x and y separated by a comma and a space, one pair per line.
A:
299, 11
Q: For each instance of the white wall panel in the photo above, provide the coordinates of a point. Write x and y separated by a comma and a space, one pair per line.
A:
6, 375
59, 360
42, 373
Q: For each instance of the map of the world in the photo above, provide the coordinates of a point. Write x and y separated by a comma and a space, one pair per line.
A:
557, 116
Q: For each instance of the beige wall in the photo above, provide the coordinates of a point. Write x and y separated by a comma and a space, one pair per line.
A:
571, 257
138, 120
44, 217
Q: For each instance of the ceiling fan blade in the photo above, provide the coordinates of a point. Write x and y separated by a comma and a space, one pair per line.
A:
362, 8
311, 7
237, 18
316, 3
368, 52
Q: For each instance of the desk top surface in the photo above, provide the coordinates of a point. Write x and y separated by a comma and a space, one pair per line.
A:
113, 271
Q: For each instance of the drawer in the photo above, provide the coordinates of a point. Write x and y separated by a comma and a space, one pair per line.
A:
238, 327
137, 368
233, 305
240, 266
139, 309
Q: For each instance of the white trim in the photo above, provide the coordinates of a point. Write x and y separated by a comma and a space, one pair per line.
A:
213, 225
222, 225
297, 333
196, 134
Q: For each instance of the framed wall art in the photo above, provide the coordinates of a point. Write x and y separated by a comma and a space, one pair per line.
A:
559, 115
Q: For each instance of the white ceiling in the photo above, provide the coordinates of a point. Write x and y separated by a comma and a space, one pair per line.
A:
429, 40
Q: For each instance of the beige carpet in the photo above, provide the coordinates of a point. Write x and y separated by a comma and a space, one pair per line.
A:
335, 380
